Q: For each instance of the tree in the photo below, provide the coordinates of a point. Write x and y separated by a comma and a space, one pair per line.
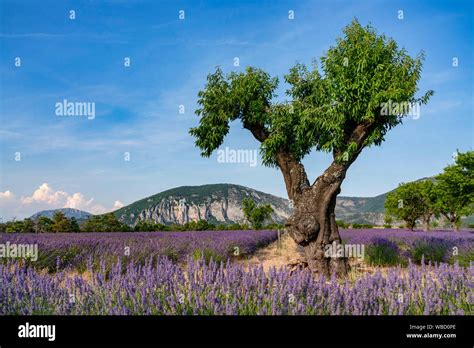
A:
256, 214
14, 226
113, 224
340, 110
387, 221
429, 198
412, 201
149, 226
455, 189
104, 223
200, 225
60, 222
74, 225
44, 224
28, 226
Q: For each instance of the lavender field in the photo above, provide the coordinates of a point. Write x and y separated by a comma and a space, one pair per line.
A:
199, 273
404, 245
211, 289
73, 250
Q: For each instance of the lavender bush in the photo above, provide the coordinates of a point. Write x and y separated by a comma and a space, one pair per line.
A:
434, 246
163, 287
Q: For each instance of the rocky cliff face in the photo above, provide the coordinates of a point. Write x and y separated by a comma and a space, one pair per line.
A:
221, 203
368, 210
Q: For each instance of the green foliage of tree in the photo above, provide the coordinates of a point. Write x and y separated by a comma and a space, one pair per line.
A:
61, 223
74, 225
235, 227
14, 226
360, 226
28, 226
256, 214
341, 224
104, 223
455, 188
201, 225
150, 226
387, 221
274, 226
405, 203
413, 201
326, 106
450, 194
44, 224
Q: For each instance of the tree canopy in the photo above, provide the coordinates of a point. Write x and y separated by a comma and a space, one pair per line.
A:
413, 201
256, 214
455, 188
336, 107
104, 223
450, 193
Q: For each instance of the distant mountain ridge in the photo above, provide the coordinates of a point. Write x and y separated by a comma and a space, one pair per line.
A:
216, 203
79, 215
366, 210
222, 203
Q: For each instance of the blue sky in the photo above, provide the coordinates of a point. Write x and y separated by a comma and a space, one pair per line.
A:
77, 162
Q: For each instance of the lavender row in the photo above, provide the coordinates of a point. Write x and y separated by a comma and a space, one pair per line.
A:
405, 245
165, 288
61, 250
382, 247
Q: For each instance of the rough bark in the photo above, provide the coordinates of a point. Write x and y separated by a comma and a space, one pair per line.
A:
313, 223
294, 174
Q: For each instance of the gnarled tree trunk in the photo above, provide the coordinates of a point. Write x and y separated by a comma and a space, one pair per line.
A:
313, 222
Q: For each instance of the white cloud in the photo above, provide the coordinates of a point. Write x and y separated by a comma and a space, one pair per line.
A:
6, 196
118, 205
45, 194
45, 197
78, 201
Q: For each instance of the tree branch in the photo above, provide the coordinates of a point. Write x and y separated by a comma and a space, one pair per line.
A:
294, 173
258, 131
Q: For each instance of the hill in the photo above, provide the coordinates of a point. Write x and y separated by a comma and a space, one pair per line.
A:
218, 203
79, 215
222, 203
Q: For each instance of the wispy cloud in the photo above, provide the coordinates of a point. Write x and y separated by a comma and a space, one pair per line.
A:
440, 77
31, 36
109, 38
